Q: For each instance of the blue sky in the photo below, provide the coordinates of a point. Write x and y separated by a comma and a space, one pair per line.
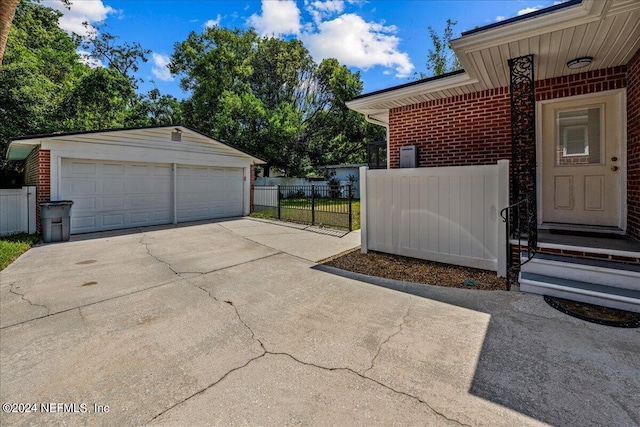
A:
386, 40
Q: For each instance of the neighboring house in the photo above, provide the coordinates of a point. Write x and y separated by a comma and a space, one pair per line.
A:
344, 172
556, 92
137, 177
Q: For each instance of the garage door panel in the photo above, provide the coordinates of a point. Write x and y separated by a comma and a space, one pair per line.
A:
112, 169
112, 195
109, 195
113, 203
205, 193
113, 186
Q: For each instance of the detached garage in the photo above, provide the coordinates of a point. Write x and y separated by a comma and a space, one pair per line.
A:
137, 177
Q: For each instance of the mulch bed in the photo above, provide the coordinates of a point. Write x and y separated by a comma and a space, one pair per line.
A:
415, 270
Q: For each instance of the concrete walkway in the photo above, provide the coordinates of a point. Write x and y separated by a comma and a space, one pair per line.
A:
234, 323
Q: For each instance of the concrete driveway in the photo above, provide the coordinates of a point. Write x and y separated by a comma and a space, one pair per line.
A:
233, 323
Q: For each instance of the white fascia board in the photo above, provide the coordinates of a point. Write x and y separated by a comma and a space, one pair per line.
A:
583, 13
395, 95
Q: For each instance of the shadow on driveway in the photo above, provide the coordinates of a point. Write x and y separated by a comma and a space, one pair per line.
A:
541, 363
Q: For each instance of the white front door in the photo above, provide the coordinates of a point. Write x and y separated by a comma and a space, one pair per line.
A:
582, 168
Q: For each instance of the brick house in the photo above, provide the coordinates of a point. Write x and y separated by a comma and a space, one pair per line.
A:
556, 92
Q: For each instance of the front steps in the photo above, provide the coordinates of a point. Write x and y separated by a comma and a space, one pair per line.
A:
606, 283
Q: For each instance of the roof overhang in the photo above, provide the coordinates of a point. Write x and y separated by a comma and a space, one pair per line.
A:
20, 147
607, 30
376, 105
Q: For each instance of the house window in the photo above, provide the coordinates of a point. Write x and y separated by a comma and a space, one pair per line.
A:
377, 155
579, 136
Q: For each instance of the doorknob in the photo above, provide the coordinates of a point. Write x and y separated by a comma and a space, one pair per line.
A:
614, 168
614, 159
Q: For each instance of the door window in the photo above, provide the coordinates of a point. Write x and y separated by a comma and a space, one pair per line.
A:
579, 136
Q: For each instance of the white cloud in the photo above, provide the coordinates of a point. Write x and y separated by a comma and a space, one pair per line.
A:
213, 22
355, 42
278, 18
85, 58
500, 18
322, 9
81, 11
528, 10
160, 67
347, 37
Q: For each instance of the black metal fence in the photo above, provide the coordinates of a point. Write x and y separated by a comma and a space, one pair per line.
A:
321, 205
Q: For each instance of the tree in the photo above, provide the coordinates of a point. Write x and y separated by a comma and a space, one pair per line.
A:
7, 12
123, 58
45, 87
441, 59
267, 96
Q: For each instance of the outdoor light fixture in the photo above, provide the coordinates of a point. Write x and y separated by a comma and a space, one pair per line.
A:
583, 61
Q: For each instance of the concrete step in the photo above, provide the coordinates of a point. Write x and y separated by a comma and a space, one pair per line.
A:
592, 293
606, 273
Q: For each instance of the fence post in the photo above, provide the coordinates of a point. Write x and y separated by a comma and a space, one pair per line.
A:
503, 202
363, 209
313, 204
350, 209
278, 198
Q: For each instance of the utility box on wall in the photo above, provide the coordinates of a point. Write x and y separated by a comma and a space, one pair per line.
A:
409, 156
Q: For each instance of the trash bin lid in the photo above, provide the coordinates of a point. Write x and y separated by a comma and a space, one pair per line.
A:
57, 203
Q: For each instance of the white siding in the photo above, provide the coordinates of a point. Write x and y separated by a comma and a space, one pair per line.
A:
448, 214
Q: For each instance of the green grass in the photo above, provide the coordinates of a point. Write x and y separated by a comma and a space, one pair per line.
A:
299, 210
14, 245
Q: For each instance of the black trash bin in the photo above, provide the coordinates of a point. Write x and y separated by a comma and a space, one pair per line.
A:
56, 218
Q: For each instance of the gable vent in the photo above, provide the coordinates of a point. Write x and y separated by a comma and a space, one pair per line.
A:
176, 135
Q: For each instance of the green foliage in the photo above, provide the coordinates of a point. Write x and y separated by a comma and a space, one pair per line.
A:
14, 245
45, 87
267, 96
40, 68
441, 59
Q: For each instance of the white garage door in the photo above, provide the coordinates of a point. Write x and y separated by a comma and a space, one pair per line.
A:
114, 195
205, 193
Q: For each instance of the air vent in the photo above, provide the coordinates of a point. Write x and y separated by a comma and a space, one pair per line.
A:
176, 135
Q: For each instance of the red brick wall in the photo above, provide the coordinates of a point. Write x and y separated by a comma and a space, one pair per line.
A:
633, 146
38, 173
473, 129
579, 84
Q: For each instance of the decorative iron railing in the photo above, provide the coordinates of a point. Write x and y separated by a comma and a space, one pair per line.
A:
521, 222
328, 206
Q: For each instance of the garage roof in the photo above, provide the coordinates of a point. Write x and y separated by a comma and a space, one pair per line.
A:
156, 137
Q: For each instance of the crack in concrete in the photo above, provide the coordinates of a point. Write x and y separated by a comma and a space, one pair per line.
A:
24, 298
205, 388
146, 245
84, 321
92, 303
399, 329
168, 264
388, 387
275, 353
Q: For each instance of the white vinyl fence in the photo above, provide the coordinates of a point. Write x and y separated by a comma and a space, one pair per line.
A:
444, 214
18, 210
265, 196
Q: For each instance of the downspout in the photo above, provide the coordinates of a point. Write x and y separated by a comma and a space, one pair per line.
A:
378, 122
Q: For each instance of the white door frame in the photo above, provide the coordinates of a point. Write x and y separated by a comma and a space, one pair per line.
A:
622, 97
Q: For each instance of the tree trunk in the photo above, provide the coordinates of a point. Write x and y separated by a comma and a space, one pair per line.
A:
7, 12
